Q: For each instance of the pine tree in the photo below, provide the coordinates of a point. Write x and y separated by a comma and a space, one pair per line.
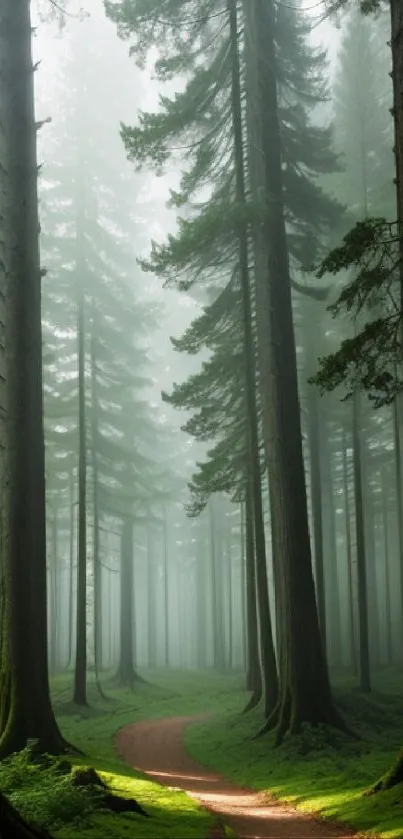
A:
206, 244
26, 710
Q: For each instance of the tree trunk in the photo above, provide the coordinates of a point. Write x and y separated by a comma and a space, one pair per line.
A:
96, 566
269, 668
385, 530
80, 672
305, 689
166, 586
126, 673
25, 705
349, 554
71, 568
151, 601
397, 431
217, 600
314, 437
53, 617
243, 586
372, 583
364, 662
333, 589
13, 825
228, 555
201, 599
253, 673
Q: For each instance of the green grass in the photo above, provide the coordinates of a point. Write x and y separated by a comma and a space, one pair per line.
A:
49, 800
320, 771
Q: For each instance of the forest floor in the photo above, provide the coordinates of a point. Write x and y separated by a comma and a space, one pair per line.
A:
156, 747
318, 773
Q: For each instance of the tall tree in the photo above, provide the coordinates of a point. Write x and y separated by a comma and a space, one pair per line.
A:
304, 682
26, 710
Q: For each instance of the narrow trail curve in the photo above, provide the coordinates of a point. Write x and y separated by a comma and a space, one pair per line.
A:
156, 748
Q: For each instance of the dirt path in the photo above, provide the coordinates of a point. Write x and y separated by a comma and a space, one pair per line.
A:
155, 747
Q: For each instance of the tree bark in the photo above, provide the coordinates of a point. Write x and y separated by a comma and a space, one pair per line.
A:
314, 437
201, 612
13, 825
26, 710
253, 673
305, 689
126, 673
80, 671
216, 585
269, 667
349, 554
71, 568
385, 529
166, 585
363, 660
151, 601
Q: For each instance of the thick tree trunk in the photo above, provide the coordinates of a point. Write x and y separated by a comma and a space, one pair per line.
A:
26, 710
269, 667
13, 826
305, 688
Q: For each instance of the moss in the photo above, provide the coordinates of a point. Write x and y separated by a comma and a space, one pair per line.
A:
320, 771
172, 814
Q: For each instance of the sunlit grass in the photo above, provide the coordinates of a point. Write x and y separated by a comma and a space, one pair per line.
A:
68, 812
172, 813
320, 772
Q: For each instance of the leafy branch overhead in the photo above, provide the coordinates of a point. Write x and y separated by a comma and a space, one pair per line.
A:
371, 358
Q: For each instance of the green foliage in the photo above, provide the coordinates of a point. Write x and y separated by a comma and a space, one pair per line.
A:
372, 358
45, 794
319, 771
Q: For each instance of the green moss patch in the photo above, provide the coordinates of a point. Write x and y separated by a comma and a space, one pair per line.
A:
320, 771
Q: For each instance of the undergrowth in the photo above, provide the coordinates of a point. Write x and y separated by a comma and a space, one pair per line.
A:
48, 798
321, 770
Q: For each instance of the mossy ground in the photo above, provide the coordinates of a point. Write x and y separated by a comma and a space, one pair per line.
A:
50, 800
319, 771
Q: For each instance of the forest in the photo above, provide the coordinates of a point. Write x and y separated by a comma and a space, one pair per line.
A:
201, 419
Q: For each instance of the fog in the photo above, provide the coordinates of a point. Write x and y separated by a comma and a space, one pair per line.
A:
163, 588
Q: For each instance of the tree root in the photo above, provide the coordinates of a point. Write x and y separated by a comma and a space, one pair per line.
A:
87, 777
13, 826
253, 701
391, 779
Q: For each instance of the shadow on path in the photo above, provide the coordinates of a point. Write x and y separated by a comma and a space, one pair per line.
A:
156, 748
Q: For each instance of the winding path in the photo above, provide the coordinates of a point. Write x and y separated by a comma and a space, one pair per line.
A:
156, 748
